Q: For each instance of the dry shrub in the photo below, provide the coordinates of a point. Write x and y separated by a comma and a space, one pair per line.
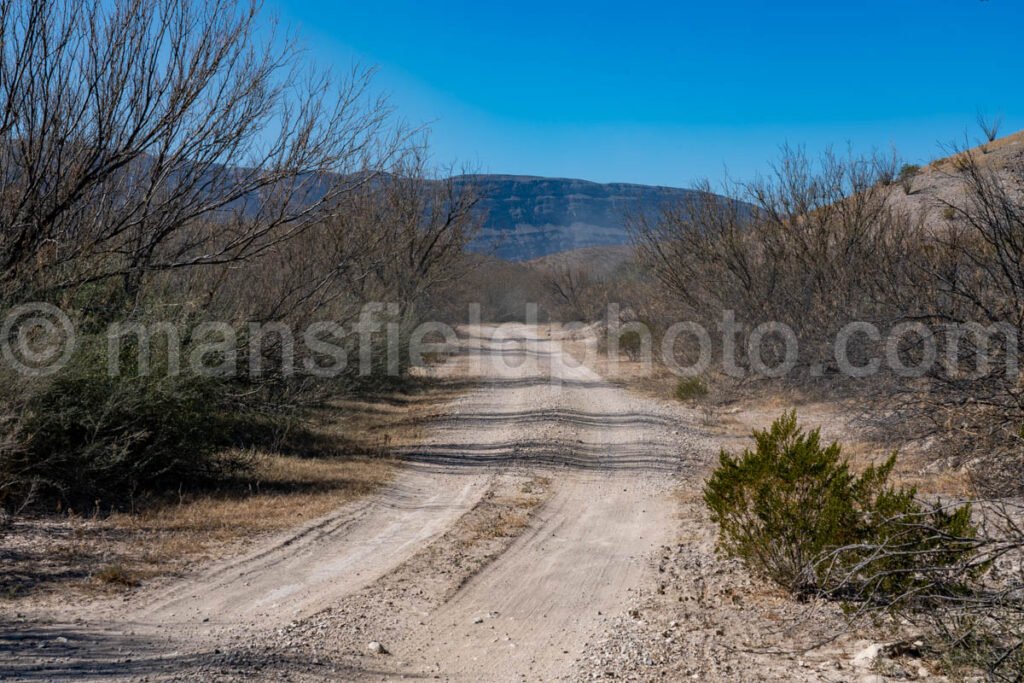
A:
691, 389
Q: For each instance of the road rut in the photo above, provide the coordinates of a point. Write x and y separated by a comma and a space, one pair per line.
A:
611, 457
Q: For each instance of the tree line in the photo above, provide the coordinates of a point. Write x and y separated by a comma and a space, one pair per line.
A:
176, 161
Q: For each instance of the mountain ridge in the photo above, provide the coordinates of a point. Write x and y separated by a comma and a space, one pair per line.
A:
528, 217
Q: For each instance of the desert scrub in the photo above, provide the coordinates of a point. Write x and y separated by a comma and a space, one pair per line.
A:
94, 438
631, 343
116, 574
691, 389
906, 176
794, 513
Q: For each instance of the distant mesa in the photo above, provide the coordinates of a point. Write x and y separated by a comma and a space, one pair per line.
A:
529, 217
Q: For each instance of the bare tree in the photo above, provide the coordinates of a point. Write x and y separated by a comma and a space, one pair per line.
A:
138, 136
968, 284
157, 159
802, 247
574, 289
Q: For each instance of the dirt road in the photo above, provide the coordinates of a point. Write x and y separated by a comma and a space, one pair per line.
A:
524, 608
611, 455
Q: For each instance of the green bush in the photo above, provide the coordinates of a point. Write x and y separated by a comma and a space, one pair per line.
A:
906, 176
794, 513
91, 438
691, 389
631, 343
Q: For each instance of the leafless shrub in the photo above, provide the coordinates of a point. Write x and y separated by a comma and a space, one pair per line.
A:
971, 608
965, 283
990, 127
500, 288
800, 247
575, 290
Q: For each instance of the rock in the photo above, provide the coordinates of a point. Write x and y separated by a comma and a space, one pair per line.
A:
376, 648
890, 667
871, 678
866, 657
478, 620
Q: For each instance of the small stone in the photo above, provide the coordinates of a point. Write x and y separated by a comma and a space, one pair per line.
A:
478, 620
376, 648
866, 657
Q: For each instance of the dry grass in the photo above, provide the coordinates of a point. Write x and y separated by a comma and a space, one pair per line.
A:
116, 574
283, 491
733, 421
505, 523
47, 556
914, 467
340, 455
506, 512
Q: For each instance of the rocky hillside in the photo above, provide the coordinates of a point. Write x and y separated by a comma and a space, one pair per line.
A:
928, 191
529, 217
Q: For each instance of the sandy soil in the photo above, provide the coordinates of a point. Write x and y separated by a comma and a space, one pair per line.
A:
548, 528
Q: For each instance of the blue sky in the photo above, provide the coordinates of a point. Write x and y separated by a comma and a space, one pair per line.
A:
667, 93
